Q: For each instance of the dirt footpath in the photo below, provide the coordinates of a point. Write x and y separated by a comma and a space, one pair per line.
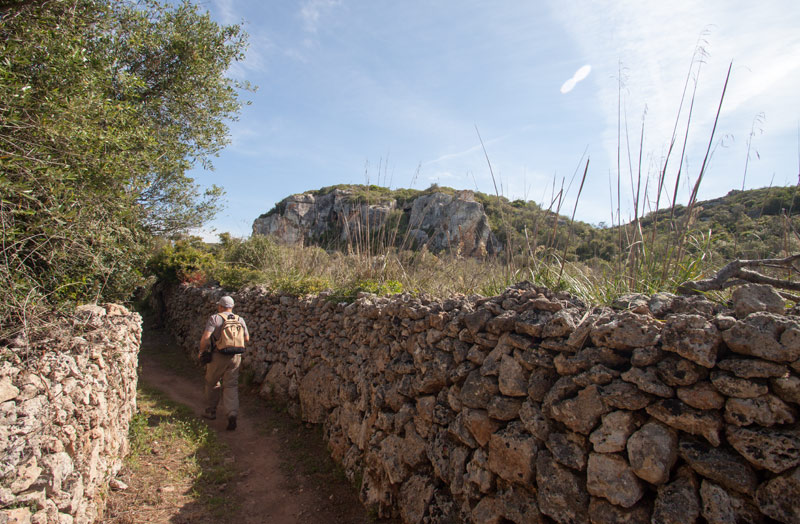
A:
282, 472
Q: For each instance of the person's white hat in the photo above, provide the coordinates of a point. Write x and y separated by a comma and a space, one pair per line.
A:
226, 302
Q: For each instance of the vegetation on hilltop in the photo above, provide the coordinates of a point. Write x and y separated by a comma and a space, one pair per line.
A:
104, 107
748, 224
680, 250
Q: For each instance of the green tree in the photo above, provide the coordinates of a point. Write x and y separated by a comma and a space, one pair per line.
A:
104, 107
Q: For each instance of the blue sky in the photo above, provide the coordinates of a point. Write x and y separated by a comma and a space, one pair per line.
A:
391, 93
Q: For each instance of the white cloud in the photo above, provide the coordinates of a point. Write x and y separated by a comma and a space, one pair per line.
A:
568, 86
579, 75
582, 73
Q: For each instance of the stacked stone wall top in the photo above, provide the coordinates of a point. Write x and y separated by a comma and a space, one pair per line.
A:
534, 407
64, 414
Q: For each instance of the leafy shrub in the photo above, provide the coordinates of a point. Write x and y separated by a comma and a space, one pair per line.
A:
181, 262
257, 252
297, 285
348, 293
233, 277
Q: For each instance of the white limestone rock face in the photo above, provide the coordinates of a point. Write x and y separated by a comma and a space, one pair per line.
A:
453, 222
301, 218
438, 221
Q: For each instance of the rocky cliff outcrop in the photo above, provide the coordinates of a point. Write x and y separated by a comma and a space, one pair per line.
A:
533, 407
440, 221
64, 415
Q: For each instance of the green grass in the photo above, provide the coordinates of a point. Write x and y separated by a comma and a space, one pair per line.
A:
165, 430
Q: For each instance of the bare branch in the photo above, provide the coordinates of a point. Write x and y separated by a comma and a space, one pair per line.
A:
738, 272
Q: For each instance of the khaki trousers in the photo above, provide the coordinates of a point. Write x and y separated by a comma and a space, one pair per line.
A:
222, 378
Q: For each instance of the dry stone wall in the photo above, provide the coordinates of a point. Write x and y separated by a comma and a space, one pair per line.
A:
64, 415
532, 407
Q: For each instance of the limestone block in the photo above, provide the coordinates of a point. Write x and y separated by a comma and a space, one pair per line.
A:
598, 374
318, 392
478, 390
16, 516
391, 459
531, 323
680, 416
676, 371
787, 388
512, 454
732, 386
612, 434
750, 298
7, 390
561, 324
647, 381
491, 364
766, 410
610, 476
275, 383
626, 331
504, 408
765, 335
479, 424
531, 416
585, 359
488, 511
415, 496
519, 506
753, 368
721, 466
513, 381
624, 395
476, 322
652, 451
540, 382
25, 476
774, 449
603, 512
724, 507
569, 449
561, 493
478, 476
502, 323
693, 337
458, 468
702, 395
777, 498
677, 502
646, 356
581, 413
460, 432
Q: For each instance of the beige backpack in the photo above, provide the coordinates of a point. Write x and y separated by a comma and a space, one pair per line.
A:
229, 338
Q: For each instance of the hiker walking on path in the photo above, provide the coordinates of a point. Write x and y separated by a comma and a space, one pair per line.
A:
224, 339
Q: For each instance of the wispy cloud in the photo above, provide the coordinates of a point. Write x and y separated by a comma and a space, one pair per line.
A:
650, 45
466, 152
313, 11
579, 75
226, 12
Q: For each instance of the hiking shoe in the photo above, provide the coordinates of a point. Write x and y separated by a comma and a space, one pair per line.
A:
209, 414
231, 423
